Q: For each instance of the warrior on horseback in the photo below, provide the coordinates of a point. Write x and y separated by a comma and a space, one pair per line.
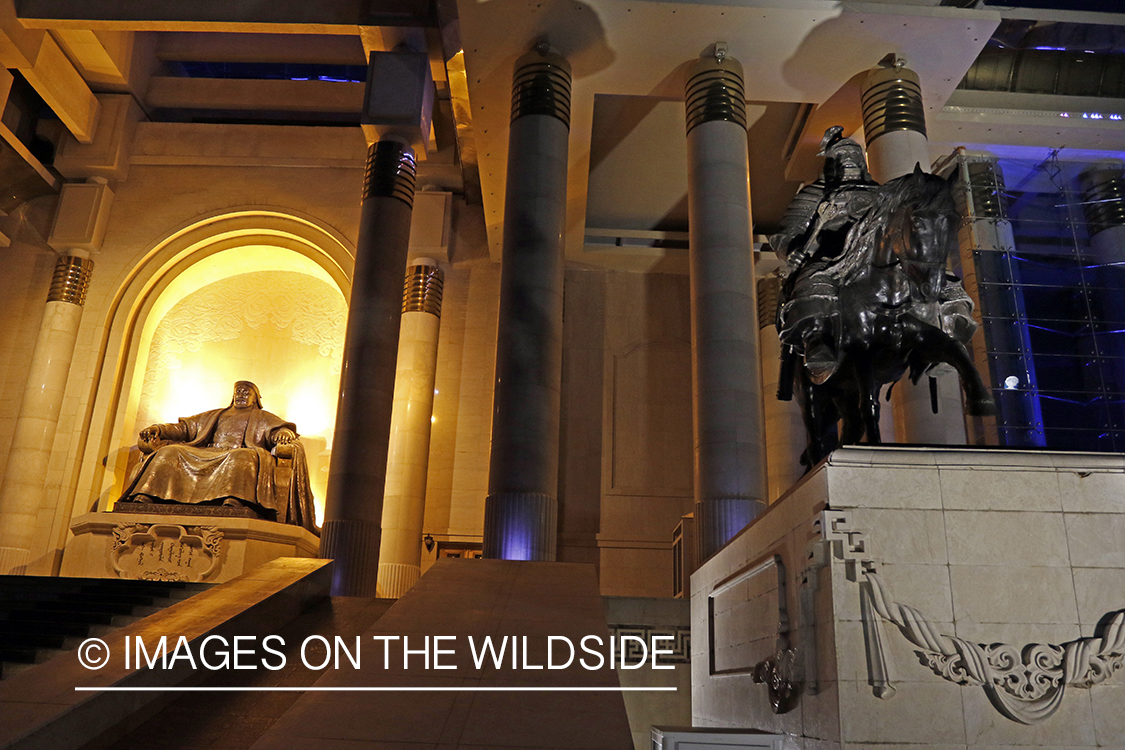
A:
867, 296
812, 244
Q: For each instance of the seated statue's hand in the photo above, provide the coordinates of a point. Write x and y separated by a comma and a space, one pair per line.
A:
149, 434
284, 436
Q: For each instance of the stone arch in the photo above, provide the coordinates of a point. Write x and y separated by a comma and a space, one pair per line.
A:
200, 254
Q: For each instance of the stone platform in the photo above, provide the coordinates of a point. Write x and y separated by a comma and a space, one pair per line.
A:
170, 546
909, 598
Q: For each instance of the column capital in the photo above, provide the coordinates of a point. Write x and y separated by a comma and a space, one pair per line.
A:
892, 100
715, 91
423, 288
391, 171
541, 85
71, 280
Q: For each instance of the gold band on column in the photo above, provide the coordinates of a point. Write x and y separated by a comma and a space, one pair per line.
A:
892, 100
715, 91
986, 183
541, 86
422, 290
390, 172
71, 280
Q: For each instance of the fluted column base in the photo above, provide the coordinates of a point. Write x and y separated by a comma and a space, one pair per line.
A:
395, 579
717, 520
520, 526
13, 561
354, 546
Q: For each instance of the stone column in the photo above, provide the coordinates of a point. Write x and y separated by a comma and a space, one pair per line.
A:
356, 476
404, 501
894, 126
783, 422
23, 488
730, 462
521, 512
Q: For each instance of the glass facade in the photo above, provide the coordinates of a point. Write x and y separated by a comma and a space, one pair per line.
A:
1047, 249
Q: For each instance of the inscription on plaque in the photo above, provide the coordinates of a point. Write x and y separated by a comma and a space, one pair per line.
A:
166, 552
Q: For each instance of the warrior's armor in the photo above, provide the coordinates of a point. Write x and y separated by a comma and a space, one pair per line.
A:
811, 243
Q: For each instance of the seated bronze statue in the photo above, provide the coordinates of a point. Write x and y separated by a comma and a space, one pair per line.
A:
226, 457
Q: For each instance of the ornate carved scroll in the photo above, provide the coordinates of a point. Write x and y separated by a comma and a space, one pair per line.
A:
165, 552
1024, 684
781, 672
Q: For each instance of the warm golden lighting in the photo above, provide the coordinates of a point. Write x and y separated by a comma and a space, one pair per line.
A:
265, 314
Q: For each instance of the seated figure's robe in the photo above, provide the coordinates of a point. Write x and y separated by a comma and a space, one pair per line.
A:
222, 454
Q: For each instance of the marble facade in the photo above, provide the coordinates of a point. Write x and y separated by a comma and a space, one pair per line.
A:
893, 556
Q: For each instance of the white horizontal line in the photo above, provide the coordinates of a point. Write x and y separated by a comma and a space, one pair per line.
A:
313, 689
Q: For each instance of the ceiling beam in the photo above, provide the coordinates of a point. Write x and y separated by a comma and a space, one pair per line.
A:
333, 49
251, 95
279, 16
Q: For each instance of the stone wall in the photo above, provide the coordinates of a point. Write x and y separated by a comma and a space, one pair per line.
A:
904, 563
626, 442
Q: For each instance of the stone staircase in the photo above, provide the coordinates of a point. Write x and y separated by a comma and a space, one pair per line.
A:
42, 617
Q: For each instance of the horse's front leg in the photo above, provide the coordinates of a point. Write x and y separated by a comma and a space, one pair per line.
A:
820, 420
937, 346
868, 389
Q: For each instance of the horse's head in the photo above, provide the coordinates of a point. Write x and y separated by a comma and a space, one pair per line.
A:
919, 231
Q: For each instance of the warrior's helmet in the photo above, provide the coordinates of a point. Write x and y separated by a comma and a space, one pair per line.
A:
844, 160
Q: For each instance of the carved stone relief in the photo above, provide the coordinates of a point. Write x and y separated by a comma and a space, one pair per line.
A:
756, 597
165, 552
678, 641
310, 310
1024, 684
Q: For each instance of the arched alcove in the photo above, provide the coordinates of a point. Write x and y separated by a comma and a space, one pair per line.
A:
249, 295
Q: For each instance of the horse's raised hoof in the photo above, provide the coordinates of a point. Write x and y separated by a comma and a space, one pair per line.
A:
821, 364
984, 407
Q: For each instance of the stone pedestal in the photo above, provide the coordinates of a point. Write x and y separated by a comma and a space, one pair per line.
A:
903, 598
178, 546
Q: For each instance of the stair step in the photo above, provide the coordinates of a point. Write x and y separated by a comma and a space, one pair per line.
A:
41, 618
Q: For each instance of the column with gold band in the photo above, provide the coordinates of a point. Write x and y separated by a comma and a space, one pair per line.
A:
404, 500
730, 462
894, 126
521, 511
354, 507
23, 489
894, 121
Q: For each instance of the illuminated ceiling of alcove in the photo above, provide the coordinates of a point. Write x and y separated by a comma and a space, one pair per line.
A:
232, 262
227, 264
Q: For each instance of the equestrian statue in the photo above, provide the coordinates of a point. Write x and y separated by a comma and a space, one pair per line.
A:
866, 297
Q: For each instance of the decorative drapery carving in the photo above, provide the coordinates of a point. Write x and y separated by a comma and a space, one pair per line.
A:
1024, 684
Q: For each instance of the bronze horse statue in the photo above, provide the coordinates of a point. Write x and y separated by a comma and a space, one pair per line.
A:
899, 312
